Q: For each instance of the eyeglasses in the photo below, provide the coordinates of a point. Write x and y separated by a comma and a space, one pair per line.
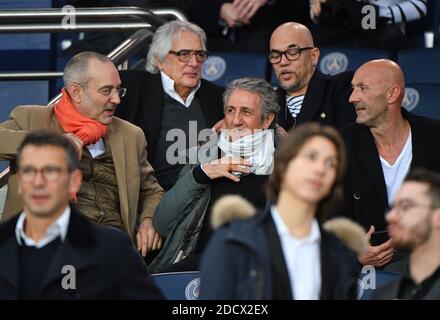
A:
291, 54
185, 55
109, 91
49, 173
402, 207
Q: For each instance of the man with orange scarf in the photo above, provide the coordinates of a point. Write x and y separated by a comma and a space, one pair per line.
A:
118, 187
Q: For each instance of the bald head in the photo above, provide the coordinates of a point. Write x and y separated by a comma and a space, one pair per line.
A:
293, 43
386, 70
387, 73
378, 91
295, 31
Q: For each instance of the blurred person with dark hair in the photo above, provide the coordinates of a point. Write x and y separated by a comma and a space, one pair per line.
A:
283, 252
414, 226
305, 94
50, 250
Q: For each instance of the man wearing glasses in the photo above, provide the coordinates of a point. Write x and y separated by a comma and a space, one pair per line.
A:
119, 188
414, 226
50, 251
171, 97
305, 94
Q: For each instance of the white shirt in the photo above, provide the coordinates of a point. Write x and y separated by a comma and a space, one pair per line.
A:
168, 87
55, 230
303, 259
97, 148
396, 173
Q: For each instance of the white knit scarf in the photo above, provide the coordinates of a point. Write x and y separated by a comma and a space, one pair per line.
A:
257, 148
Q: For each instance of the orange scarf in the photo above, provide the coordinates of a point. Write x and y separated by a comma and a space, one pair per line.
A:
71, 120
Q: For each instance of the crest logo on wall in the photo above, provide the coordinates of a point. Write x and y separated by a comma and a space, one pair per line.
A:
333, 63
411, 99
192, 290
213, 68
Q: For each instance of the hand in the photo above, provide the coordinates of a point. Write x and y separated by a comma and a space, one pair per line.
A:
246, 9
224, 166
76, 142
147, 237
229, 14
219, 126
315, 9
377, 256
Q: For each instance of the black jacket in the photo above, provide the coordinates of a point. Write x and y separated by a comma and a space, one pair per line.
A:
244, 261
143, 104
326, 101
392, 290
365, 194
105, 261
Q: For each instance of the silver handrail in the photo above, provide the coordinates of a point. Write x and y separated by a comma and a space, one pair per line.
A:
18, 16
118, 56
80, 27
120, 53
22, 15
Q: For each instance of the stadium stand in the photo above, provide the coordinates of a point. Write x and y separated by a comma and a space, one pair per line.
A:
336, 60
223, 67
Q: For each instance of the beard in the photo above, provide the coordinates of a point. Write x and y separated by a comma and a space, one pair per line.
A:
417, 235
296, 85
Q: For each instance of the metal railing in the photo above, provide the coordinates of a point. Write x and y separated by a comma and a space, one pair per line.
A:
86, 19
49, 20
117, 18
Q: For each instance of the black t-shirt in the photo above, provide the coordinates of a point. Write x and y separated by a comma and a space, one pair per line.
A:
413, 291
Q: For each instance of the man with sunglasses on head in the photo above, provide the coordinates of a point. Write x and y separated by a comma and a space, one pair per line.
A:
171, 96
118, 188
305, 94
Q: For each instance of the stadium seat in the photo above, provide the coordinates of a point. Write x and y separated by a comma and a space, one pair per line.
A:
420, 65
178, 285
336, 60
223, 67
365, 292
423, 99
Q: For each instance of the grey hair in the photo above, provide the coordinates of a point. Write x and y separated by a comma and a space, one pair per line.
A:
163, 40
268, 97
76, 69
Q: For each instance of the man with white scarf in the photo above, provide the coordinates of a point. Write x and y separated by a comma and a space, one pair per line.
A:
239, 162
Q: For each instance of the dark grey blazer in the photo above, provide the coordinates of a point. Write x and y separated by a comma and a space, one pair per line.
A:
365, 196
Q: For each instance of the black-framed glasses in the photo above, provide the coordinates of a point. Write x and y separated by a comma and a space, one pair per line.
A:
184, 55
49, 173
109, 91
291, 54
